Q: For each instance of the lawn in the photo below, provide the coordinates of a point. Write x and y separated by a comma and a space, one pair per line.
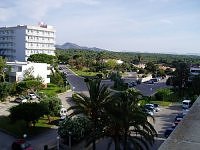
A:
52, 90
84, 72
19, 128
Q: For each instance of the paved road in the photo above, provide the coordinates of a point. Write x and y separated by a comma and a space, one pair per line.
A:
150, 89
5, 141
48, 138
77, 83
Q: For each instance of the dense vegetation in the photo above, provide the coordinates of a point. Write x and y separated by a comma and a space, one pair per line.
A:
65, 56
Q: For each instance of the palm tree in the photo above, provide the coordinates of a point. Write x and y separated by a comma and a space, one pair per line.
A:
92, 105
127, 124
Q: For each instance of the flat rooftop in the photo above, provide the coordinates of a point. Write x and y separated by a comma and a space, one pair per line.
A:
186, 136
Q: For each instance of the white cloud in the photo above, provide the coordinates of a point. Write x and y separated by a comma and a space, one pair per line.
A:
37, 9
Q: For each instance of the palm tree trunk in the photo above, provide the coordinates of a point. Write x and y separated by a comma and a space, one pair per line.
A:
117, 144
93, 145
125, 139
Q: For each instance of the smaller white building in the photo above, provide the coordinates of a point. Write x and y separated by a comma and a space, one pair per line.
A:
194, 71
18, 69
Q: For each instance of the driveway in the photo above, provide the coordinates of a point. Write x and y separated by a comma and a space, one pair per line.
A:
163, 120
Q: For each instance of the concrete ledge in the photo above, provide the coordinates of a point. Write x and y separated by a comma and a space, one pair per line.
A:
186, 136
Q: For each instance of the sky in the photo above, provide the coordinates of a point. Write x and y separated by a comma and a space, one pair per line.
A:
155, 26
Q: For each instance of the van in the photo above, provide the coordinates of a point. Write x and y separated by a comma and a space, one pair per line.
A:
186, 104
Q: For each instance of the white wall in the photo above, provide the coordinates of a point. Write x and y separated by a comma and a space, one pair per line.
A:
38, 69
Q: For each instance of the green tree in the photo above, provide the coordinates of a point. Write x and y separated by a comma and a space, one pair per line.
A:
53, 105
126, 123
42, 58
28, 85
195, 85
29, 112
111, 64
5, 89
151, 67
91, 106
116, 77
57, 78
181, 75
163, 94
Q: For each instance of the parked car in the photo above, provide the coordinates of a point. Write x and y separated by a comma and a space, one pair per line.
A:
177, 121
20, 100
149, 111
32, 96
63, 113
132, 84
150, 82
185, 111
150, 106
186, 104
156, 107
179, 116
168, 131
154, 80
21, 144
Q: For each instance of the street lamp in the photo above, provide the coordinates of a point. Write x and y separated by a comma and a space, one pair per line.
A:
24, 144
24, 136
58, 140
73, 88
70, 141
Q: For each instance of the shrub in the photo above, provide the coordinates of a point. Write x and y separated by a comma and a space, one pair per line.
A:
79, 128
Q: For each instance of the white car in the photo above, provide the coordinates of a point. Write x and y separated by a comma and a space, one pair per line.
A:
32, 96
63, 113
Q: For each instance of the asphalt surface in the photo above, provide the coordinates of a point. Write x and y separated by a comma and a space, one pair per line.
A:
163, 120
77, 83
150, 89
5, 141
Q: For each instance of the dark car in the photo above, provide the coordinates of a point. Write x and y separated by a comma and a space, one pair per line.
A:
21, 144
150, 82
177, 121
20, 100
168, 132
179, 117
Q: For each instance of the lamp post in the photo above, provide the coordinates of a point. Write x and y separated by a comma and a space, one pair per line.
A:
24, 136
24, 144
70, 141
58, 141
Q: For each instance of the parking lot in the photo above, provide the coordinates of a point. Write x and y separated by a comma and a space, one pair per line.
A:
163, 120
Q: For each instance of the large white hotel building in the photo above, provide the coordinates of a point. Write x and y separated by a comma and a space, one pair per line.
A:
19, 42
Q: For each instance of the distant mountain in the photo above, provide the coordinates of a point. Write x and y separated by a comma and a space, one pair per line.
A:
75, 46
